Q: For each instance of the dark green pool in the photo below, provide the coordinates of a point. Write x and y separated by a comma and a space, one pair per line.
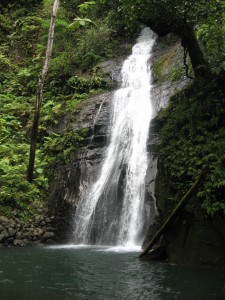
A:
70, 273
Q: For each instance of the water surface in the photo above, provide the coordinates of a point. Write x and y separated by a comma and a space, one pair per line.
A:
97, 273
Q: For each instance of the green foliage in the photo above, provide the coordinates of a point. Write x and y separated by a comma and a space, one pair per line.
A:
16, 106
190, 11
63, 146
157, 70
20, 3
94, 45
81, 84
4, 62
193, 137
212, 36
78, 51
15, 110
176, 74
85, 6
22, 82
23, 36
78, 22
15, 191
72, 79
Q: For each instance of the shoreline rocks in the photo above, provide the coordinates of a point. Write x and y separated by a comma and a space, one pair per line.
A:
17, 231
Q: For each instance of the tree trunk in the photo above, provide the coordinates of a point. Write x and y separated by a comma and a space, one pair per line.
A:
39, 93
190, 42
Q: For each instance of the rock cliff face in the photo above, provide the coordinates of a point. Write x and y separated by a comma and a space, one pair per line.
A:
193, 240
15, 231
167, 57
69, 180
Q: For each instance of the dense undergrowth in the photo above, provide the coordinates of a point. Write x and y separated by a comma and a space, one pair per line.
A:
192, 138
72, 78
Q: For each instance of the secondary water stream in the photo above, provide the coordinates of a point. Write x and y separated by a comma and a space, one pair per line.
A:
112, 212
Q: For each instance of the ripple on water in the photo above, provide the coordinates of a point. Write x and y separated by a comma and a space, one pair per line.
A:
6, 281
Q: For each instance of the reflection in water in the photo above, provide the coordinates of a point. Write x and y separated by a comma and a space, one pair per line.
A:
97, 273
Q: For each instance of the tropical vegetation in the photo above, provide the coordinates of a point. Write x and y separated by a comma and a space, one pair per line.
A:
86, 34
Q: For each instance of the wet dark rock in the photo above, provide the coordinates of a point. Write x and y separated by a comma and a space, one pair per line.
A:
162, 91
19, 235
222, 296
50, 241
72, 180
48, 235
166, 86
42, 223
11, 231
3, 236
3, 220
18, 232
153, 228
38, 232
192, 240
20, 243
159, 253
39, 219
111, 69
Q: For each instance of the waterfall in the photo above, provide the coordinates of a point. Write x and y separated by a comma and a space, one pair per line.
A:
112, 211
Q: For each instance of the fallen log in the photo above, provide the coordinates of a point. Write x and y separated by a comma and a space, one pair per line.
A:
190, 193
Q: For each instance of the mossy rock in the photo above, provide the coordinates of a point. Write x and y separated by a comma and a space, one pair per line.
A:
169, 65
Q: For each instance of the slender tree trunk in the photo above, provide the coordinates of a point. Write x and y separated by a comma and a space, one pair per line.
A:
198, 61
39, 93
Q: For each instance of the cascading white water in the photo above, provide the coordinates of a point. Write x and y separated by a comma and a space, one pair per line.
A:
113, 210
